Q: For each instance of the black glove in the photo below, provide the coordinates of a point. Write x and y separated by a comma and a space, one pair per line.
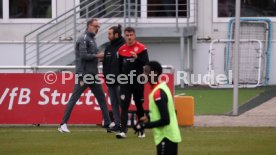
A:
140, 126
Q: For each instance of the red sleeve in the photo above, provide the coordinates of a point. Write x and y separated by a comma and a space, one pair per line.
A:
122, 50
157, 96
140, 48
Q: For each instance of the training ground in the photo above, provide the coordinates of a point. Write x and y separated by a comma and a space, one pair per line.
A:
253, 132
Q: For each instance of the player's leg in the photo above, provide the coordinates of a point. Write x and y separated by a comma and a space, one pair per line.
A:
78, 90
114, 95
167, 147
125, 96
138, 96
99, 94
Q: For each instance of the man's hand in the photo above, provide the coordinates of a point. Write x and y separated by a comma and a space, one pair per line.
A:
144, 119
134, 55
140, 126
100, 55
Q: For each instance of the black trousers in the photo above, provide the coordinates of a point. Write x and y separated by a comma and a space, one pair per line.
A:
166, 147
126, 91
114, 95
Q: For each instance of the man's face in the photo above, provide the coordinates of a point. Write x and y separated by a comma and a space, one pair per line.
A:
111, 35
130, 37
94, 27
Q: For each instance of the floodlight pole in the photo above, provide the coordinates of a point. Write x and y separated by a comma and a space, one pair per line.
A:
236, 59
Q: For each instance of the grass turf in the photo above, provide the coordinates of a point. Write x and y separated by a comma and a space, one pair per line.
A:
217, 101
94, 141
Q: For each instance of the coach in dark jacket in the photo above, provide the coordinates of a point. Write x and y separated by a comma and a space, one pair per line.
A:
87, 64
86, 55
111, 71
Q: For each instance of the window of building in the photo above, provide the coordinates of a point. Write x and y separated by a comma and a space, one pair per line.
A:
145, 10
155, 8
249, 8
30, 8
102, 9
1, 8
166, 8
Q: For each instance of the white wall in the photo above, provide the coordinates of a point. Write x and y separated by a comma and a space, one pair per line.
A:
207, 27
11, 55
201, 61
14, 30
165, 53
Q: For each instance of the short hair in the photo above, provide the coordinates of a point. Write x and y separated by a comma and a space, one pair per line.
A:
129, 29
155, 66
117, 29
90, 22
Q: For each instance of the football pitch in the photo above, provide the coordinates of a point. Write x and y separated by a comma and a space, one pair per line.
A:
217, 101
91, 140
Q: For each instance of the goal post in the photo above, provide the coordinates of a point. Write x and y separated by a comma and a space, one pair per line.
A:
250, 70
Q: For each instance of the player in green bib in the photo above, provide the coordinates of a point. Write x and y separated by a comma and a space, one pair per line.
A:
163, 119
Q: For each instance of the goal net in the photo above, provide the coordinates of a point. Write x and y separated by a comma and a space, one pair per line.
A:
254, 55
251, 29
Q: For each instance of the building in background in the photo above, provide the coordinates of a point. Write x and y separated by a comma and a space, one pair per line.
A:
178, 36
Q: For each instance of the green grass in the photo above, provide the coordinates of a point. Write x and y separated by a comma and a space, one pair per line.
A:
94, 141
217, 101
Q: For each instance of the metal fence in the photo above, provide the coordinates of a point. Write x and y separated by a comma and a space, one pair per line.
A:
36, 69
51, 43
